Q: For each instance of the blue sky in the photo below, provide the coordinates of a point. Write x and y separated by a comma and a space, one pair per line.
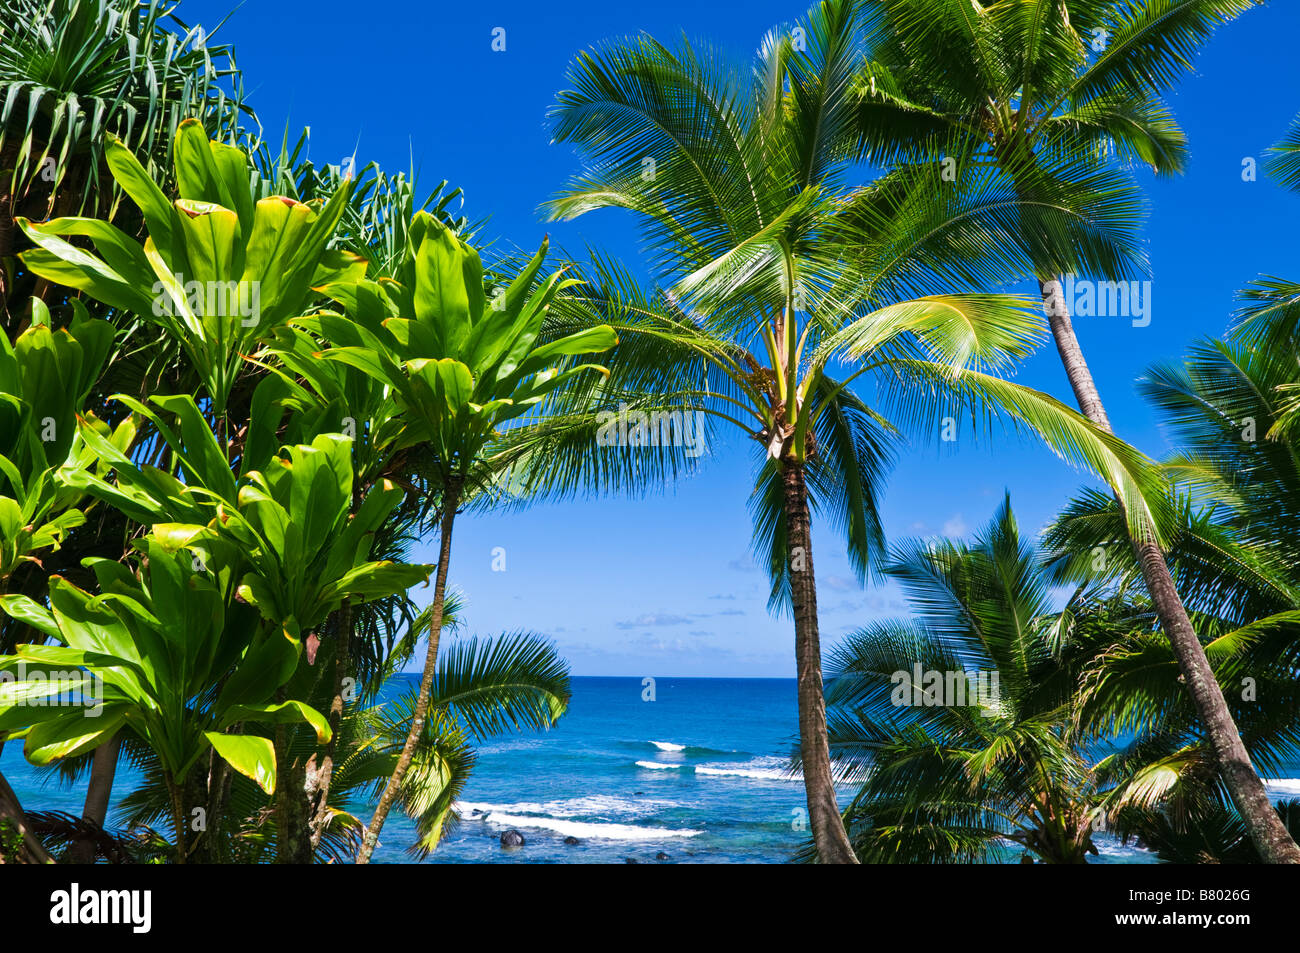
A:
664, 585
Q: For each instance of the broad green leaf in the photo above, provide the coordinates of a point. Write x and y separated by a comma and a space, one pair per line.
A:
289, 712
251, 756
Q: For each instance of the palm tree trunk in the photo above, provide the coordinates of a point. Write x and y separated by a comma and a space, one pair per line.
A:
324, 776
451, 497
99, 792
12, 818
8, 202
179, 823
292, 807
819, 784
211, 846
1266, 830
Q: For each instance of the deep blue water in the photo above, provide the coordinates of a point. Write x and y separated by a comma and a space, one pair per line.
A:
698, 774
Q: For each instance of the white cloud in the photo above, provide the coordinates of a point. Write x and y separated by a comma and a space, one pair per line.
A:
956, 526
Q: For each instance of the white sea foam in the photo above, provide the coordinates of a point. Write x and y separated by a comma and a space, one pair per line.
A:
602, 806
588, 829
757, 770
770, 768
668, 746
660, 766
1117, 852
1283, 787
474, 810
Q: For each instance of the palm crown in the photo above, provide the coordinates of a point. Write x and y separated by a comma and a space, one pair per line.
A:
774, 271
946, 779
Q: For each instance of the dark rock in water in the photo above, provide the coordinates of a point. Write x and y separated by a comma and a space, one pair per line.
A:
572, 840
512, 838
661, 856
630, 860
475, 813
637, 793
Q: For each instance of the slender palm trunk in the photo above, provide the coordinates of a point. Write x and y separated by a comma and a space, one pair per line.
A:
8, 209
1266, 830
451, 498
99, 792
292, 807
13, 820
819, 783
180, 824
211, 848
324, 776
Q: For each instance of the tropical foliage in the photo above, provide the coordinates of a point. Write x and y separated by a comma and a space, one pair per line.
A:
742, 179
74, 74
1051, 95
238, 388
992, 724
959, 721
253, 517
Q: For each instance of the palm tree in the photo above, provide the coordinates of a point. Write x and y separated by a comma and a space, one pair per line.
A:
483, 687
1270, 311
1232, 540
771, 269
1015, 85
948, 782
951, 778
1233, 556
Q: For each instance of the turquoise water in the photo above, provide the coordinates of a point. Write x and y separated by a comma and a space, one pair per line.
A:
698, 774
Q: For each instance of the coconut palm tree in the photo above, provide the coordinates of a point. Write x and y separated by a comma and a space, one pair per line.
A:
1233, 556
1232, 542
949, 780
770, 270
1270, 312
1025, 86
957, 722
483, 688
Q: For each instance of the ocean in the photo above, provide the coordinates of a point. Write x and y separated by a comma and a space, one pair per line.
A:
696, 775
